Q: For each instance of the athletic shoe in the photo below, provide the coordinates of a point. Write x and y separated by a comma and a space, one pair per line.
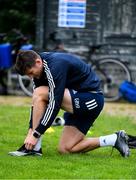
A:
131, 141
122, 143
22, 151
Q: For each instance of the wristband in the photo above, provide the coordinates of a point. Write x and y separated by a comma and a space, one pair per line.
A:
36, 134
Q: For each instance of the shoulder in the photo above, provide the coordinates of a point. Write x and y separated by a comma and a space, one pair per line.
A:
44, 55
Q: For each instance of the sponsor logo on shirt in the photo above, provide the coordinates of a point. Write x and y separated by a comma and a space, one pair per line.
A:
77, 105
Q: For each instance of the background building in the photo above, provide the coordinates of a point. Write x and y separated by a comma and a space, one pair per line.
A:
99, 21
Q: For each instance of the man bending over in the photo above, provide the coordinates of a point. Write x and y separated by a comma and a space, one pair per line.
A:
64, 81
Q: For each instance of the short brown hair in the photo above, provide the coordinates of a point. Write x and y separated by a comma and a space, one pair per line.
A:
25, 60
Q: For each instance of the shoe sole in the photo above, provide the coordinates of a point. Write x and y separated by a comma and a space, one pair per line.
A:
18, 153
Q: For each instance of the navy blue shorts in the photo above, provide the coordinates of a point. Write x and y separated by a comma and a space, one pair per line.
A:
87, 107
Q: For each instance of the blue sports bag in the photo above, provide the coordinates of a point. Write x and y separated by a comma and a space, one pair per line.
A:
128, 91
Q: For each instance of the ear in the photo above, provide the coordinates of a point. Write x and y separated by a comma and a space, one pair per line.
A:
38, 61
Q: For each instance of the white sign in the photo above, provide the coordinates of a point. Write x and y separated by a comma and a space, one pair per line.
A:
72, 13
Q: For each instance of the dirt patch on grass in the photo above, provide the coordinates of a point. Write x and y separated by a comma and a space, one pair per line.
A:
119, 108
116, 108
15, 100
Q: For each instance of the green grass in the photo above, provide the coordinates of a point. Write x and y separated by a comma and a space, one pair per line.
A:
97, 164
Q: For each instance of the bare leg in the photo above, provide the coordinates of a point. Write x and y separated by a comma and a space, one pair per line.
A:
72, 141
40, 98
39, 104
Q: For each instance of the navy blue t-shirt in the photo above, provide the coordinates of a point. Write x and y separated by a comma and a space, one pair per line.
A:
60, 71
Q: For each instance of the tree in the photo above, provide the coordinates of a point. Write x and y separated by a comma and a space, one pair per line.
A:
18, 14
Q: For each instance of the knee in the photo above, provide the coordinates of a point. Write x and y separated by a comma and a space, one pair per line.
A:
40, 95
64, 149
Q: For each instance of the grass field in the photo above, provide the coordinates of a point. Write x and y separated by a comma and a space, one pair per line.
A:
98, 164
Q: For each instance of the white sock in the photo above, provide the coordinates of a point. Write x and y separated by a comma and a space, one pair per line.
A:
108, 140
38, 145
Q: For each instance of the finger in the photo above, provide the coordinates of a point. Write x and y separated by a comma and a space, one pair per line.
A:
28, 146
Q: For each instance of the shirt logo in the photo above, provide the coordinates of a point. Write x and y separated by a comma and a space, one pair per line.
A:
74, 92
77, 105
91, 104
